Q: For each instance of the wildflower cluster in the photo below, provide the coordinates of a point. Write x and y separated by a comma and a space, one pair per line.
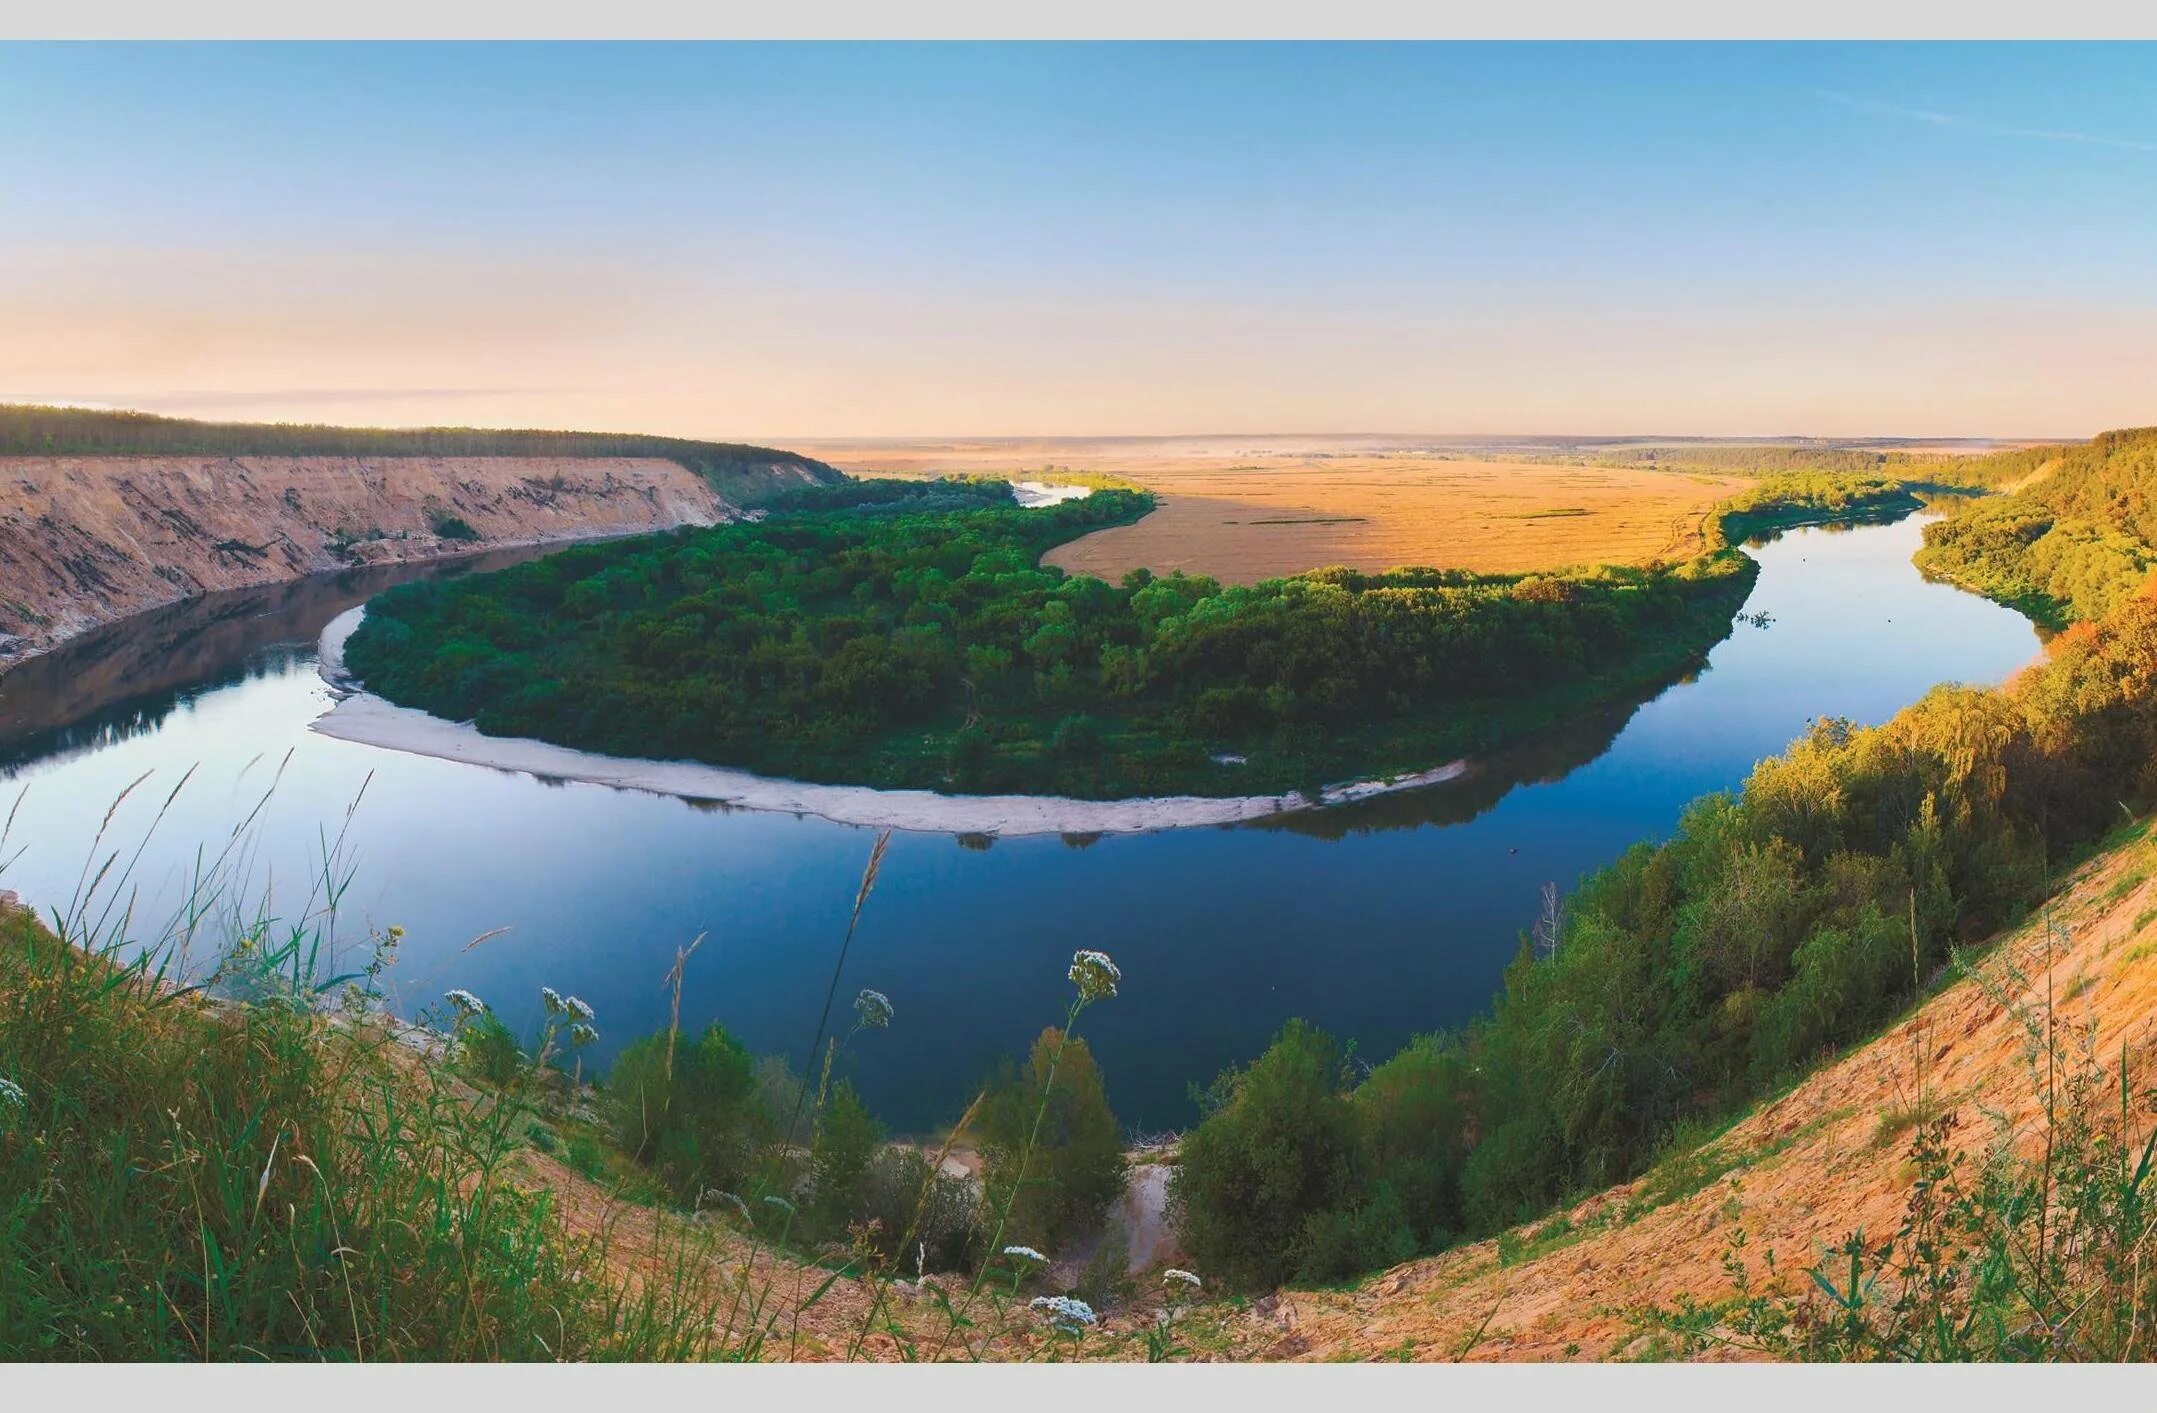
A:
1026, 1253
1067, 1313
874, 1010
466, 1003
1094, 975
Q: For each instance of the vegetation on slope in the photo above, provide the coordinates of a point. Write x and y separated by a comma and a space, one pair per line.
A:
187, 1179
866, 639
285, 1172
1692, 975
737, 471
2067, 547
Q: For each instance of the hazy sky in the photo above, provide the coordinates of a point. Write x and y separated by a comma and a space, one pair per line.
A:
925, 239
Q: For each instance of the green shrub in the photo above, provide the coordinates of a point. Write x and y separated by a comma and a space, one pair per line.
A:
918, 1216
1279, 1150
848, 1139
1076, 1169
486, 1050
699, 1125
1342, 1242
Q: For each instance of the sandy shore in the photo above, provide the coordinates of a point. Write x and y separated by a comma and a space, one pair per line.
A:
369, 720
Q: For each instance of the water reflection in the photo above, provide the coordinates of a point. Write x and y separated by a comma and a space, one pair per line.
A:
1392, 916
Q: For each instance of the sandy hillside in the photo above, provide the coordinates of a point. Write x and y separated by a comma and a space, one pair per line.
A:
85, 540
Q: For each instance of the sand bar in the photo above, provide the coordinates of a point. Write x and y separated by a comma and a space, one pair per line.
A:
369, 720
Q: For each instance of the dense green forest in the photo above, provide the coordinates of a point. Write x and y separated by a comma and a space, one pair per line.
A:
1694, 975
2067, 547
879, 635
27, 430
1809, 498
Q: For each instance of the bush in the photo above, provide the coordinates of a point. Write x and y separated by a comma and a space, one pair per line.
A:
905, 1194
1279, 1150
700, 1126
840, 1159
1076, 1170
451, 527
1411, 1120
1343, 1242
486, 1050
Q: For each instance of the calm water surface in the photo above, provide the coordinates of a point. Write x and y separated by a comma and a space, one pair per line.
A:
1375, 923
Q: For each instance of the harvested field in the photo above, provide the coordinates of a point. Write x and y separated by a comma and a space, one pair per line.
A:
1259, 511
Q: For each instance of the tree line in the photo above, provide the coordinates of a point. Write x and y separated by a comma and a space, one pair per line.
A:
29, 430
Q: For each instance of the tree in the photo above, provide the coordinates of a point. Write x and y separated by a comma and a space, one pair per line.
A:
1062, 1191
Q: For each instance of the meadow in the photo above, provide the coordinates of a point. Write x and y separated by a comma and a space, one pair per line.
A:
1249, 509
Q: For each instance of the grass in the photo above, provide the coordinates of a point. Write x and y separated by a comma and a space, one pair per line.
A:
197, 1179
233, 1153
1377, 512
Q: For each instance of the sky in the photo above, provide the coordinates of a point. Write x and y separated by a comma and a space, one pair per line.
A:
926, 240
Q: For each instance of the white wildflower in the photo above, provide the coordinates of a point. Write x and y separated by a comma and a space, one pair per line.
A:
581, 1035
11, 1095
1026, 1253
1095, 975
874, 1008
466, 1003
551, 999
576, 1009
1067, 1313
1177, 1274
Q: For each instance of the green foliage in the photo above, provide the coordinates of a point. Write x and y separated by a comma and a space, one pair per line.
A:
1689, 977
186, 1180
696, 1120
928, 648
485, 1049
2069, 547
1278, 1154
27, 430
906, 1193
1804, 498
848, 1139
1075, 1171
451, 527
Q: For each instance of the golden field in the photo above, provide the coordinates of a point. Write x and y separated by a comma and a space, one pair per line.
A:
1251, 508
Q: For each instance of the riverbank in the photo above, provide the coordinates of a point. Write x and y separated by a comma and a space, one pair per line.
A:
86, 541
368, 720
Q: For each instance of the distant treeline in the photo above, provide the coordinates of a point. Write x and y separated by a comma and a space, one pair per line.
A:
27, 430
927, 647
1940, 468
1691, 977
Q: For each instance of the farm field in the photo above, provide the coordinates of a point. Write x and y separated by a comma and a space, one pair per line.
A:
1254, 509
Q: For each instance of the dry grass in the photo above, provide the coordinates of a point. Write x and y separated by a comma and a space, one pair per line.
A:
1241, 514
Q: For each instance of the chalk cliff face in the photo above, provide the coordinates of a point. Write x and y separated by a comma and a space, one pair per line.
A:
85, 540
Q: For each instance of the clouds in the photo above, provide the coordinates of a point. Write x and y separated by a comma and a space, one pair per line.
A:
1963, 123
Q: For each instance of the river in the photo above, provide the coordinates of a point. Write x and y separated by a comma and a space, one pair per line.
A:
1376, 921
